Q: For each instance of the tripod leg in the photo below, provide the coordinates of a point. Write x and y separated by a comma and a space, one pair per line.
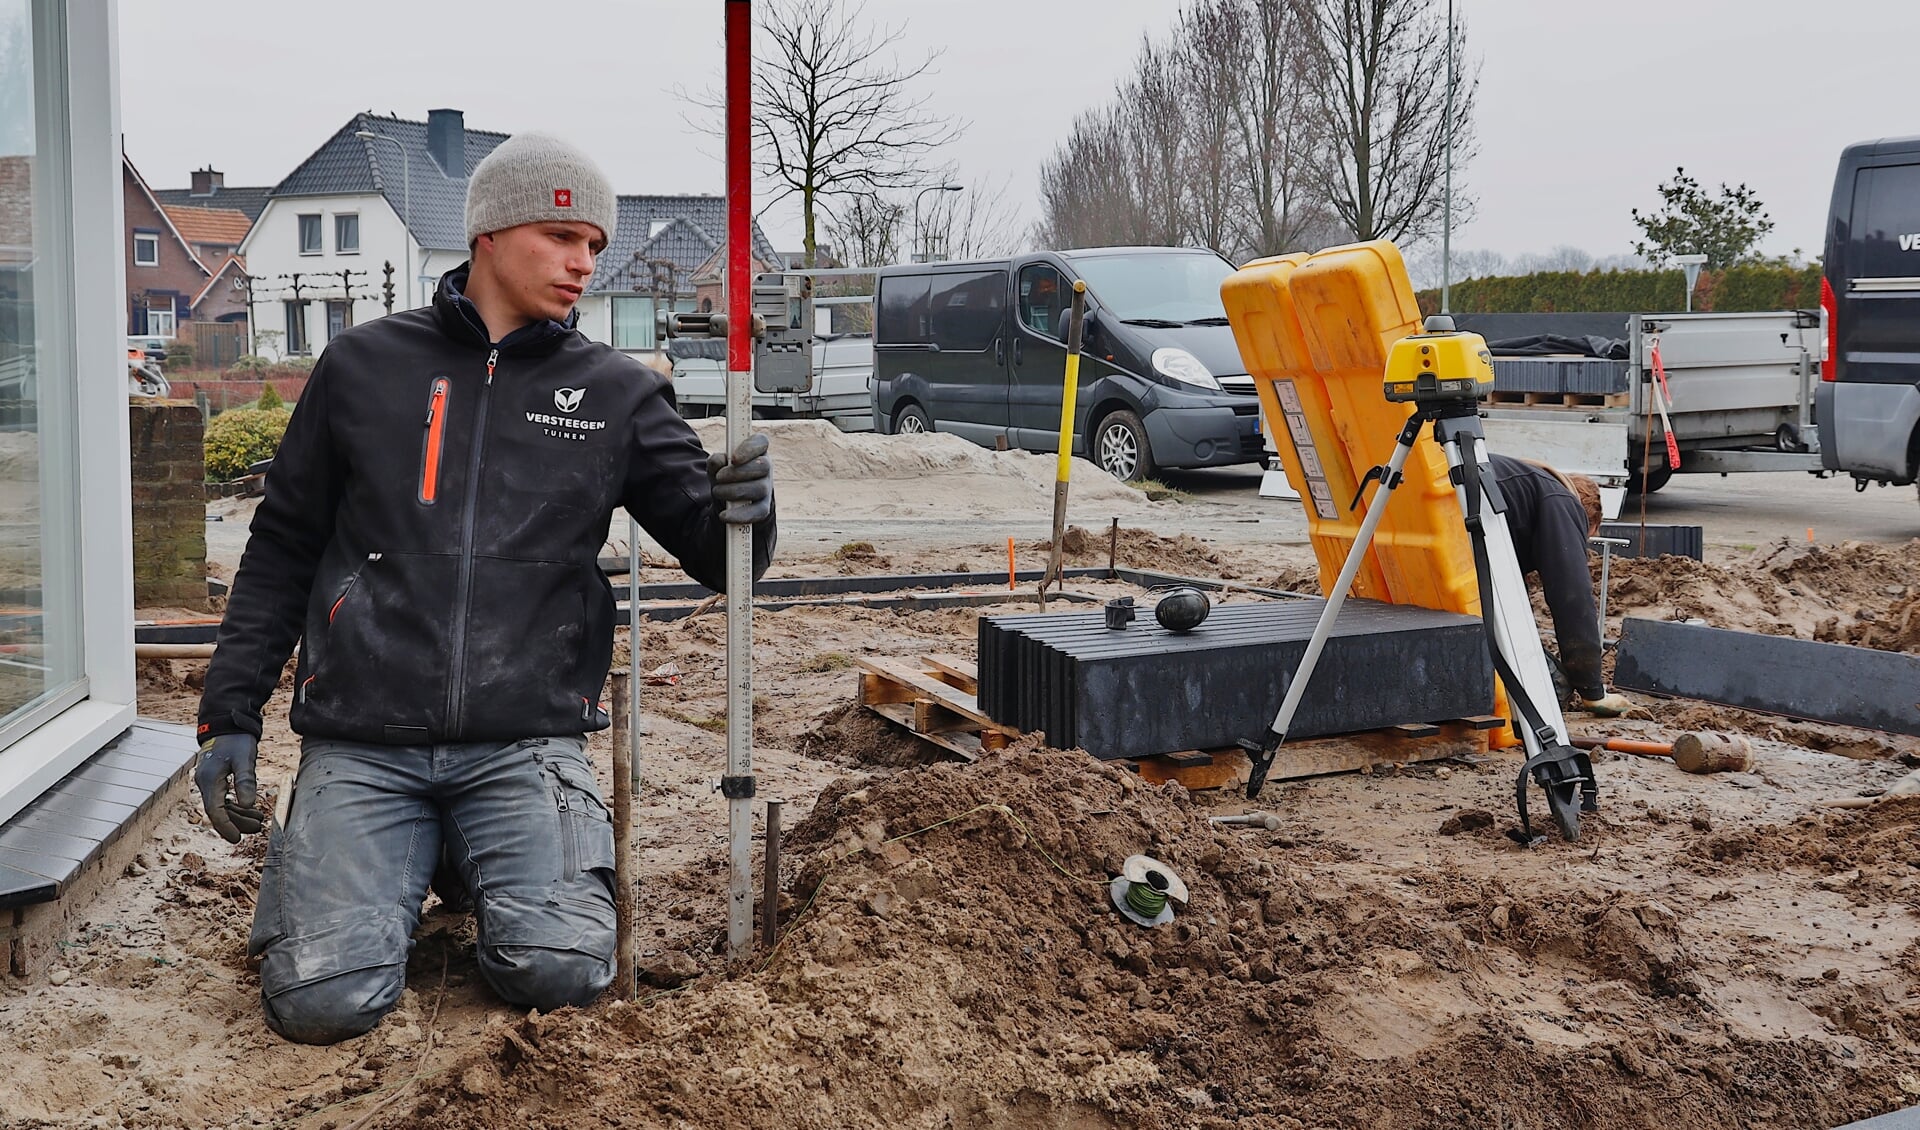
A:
1563, 773
1261, 753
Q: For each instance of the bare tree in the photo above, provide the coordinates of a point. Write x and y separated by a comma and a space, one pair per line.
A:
976, 223
1280, 140
1118, 177
1210, 43
865, 229
835, 112
1563, 258
1382, 102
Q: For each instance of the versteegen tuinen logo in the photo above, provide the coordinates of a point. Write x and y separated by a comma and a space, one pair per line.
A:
568, 399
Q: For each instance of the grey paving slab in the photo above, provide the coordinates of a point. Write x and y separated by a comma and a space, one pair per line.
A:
20, 888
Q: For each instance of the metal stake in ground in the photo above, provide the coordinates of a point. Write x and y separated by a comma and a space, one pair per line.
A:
1069, 394
738, 784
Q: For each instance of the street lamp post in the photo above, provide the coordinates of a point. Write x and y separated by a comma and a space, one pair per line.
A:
1691, 264
406, 203
924, 256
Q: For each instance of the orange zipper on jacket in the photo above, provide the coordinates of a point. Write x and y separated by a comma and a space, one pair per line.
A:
436, 434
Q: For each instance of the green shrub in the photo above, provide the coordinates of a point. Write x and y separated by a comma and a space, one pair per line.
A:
179, 353
269, 399
240, 437
249, 363
1744, 286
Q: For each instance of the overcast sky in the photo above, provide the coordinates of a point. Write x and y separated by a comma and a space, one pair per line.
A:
1584, 107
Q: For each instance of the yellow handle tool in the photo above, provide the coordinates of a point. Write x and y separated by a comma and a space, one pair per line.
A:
1069, 393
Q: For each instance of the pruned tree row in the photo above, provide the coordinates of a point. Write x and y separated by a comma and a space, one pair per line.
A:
1265, 126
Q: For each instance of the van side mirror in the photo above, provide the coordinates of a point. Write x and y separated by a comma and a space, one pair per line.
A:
1086, 326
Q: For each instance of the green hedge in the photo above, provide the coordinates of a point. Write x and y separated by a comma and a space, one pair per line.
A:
1743, 287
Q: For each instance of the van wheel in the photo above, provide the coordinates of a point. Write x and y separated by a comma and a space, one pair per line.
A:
912, 421
1120, 447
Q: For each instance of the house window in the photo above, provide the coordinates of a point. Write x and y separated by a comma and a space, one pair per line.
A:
339, 317
160, 317
346, 234
296, 328
310, 235
633, 322
146, 249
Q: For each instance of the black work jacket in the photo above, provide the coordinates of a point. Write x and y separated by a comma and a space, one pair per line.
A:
1549, 528
431, 526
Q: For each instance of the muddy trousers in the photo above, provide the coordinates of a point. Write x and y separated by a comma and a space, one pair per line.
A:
521, 822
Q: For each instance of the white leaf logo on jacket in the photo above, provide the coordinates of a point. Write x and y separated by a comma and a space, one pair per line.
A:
568, 399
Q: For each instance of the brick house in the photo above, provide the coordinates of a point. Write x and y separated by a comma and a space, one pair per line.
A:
163, 273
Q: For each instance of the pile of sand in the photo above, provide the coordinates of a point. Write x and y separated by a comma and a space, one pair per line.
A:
823, 472
975, 975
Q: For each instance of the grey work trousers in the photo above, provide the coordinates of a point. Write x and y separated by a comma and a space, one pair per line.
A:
522, 822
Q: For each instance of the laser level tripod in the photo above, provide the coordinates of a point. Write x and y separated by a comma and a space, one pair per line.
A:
1443, 374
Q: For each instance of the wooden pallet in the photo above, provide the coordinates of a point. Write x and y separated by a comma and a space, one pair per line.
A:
1314, 757
933, 696
1559, 399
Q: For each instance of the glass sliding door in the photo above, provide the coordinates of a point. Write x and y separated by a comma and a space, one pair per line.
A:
41, 661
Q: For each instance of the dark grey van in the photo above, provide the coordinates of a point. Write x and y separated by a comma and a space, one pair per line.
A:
1868, 402
978, 349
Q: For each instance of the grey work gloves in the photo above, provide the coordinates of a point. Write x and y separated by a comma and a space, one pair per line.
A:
230, 757
743, 485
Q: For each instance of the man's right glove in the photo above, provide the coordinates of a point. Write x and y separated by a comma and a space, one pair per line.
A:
1610, 705
230, 757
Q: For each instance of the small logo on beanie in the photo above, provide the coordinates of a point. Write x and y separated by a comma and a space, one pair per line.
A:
568, 399
563, 198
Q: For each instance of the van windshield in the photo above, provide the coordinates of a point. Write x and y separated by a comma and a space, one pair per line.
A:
1178, 288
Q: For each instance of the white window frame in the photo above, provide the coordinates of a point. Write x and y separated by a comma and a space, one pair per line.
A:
299, 232
165, 314
152, 240
32, 763
340, 248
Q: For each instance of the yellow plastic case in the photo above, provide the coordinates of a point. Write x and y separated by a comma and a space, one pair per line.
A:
1315, 332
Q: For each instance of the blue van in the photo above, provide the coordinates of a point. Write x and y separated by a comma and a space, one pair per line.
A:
978, 349
1868, 401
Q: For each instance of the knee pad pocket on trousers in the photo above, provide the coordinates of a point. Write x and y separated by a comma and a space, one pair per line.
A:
336, 981
546, 949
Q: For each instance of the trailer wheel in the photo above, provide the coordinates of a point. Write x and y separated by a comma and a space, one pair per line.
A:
1656, 478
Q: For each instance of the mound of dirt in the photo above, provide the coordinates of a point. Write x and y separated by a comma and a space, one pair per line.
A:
1855, 593
953, 960
823, 472
1140, 549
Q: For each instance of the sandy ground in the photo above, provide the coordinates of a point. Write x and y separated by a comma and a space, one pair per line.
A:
1717, 951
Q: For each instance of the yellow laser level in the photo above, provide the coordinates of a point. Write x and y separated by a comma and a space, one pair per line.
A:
1441, 364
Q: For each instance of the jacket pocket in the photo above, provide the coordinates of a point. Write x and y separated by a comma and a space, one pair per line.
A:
538, 645
434, 443
379, 650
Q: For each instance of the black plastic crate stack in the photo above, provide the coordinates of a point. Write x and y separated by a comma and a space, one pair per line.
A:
1590, 376
1658, 540
1142, 690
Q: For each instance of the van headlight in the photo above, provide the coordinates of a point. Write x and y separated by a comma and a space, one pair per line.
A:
1183, 367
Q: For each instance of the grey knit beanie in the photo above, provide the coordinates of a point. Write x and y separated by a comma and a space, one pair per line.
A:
531, 177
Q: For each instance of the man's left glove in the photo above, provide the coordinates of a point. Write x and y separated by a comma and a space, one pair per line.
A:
743, 485
224, 758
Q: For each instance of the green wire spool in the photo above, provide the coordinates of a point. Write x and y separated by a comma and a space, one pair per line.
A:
1145, 890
